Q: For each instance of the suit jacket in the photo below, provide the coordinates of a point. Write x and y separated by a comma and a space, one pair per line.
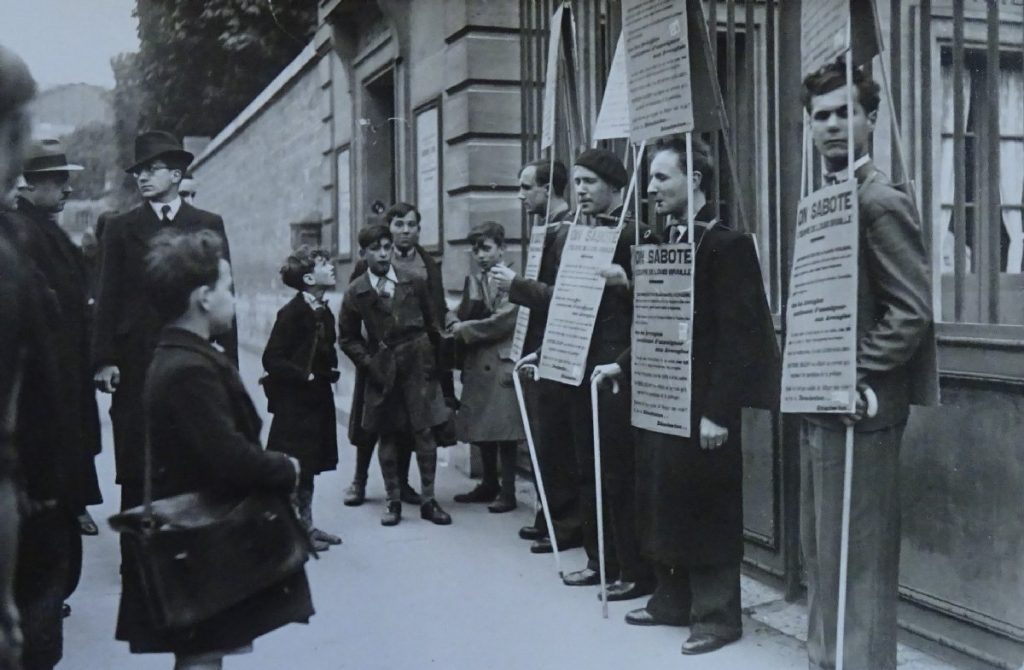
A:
123, 311
895, 330
63, 278
407, 318
435, 285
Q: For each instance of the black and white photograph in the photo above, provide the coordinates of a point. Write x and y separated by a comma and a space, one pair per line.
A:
512, 334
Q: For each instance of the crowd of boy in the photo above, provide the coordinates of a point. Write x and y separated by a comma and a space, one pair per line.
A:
673, 505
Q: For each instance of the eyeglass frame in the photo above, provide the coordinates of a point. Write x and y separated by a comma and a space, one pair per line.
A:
149, 169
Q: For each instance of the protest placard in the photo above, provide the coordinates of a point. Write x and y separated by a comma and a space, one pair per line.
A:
573, 308
823, 25
547, 134
819, 366
658, 68
613, 119
532, 270
662, 337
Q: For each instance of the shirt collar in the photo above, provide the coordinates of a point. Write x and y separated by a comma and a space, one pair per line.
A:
312, 300
411, 253
391, 277
175, 205
843, 175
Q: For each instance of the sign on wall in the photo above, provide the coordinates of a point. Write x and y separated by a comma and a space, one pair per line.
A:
428, 175
344, 203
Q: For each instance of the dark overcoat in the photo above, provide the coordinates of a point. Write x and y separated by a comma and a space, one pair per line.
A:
396, 355
64, 281
127, 325
690, 500
305, 424
489, 411
205, 436
435, 285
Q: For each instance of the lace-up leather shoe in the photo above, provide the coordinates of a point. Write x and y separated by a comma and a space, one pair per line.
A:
431, 511
392, 514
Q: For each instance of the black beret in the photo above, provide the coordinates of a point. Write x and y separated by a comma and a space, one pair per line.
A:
605, 165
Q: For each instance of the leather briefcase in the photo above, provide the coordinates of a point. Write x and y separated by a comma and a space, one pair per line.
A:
199, 554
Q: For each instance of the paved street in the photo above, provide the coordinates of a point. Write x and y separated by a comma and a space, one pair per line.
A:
465, 596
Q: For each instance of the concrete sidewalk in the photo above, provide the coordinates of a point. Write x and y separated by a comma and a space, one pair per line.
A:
468, 596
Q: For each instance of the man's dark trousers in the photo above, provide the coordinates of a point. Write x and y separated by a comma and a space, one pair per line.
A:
618, 469
549, 407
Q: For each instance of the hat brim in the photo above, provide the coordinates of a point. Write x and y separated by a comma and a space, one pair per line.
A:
185, 157
68, 167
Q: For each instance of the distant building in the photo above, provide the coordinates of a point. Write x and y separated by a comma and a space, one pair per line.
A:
59, 110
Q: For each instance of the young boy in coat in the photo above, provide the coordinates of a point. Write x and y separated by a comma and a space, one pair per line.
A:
301, 364
489, 414
398, 362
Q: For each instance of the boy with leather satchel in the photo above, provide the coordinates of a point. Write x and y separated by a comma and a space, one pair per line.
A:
301, 364
397, 356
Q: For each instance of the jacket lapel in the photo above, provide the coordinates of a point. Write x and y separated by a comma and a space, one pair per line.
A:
144, 223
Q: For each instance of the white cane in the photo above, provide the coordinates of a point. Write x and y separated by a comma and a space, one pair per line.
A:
844, 549
599, 495
533, 457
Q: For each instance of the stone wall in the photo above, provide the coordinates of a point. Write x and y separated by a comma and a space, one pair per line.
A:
263, 173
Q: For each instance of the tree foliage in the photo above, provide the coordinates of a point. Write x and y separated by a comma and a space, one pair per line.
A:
93, 147
127, 107
201, 62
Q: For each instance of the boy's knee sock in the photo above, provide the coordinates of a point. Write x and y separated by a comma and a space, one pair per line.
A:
489, 460
426, 460
386, 454
405, 451
508, 452
364, 454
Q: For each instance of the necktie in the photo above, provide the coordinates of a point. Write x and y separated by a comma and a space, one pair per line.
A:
165, 212
382, 286
485, 289
676, 235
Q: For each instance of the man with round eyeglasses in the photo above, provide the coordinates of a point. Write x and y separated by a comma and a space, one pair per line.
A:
126, 324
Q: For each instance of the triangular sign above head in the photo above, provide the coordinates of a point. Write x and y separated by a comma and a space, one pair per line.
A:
613, 119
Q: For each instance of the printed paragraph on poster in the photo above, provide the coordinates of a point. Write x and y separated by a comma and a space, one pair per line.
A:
662, 320
819, 368
573, 310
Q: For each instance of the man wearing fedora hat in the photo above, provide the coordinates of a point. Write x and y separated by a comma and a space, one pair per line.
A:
64, 437
126, 323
